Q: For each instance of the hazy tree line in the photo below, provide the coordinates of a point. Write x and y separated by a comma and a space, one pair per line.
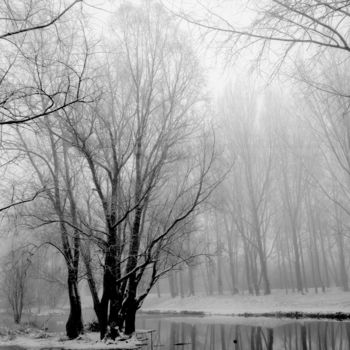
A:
282, 213
280, 217
113, 149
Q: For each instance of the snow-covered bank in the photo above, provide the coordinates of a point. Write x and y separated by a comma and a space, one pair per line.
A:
41, 340
333, 301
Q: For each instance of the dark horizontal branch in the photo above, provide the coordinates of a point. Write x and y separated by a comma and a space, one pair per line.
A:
43, 114
40, 26
22, 201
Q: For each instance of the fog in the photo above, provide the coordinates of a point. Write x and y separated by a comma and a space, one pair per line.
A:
163, 152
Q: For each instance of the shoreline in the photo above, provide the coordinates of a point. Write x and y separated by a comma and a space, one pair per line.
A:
336, 316
334, 304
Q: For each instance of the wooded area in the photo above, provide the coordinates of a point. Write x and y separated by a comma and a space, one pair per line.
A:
122, 172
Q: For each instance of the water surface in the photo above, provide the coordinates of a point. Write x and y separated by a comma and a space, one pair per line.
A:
174, 333
228, 333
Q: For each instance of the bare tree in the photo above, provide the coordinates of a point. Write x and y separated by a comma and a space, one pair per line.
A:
252, 149
47, 155
133, 142
15, 280
321, 24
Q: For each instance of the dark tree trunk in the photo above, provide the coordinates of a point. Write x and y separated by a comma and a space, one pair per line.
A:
74, 325
129, 312
110, 302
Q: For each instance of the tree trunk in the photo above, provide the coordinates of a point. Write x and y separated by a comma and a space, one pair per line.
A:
247, 267
303, 265
297, 261
219, 269
172, 284
290, 268
210, 277
86, 255
313, 266
74, 325
158, 289
263, 265
231, 257
181, 283
333, 264
254, 272
343, 273
191, 280
324, 258
111, 301
129, 311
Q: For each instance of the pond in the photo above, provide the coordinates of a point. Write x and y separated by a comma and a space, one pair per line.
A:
187, 333
173, 332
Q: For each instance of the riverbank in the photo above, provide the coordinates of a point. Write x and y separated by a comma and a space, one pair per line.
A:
332, 304
36, 339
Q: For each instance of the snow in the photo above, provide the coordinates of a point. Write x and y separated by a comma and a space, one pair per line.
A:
37, 340
334, 300
219, 308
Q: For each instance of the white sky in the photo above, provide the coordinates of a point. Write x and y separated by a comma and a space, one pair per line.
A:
217, 68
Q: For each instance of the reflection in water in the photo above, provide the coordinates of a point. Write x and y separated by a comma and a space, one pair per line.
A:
180, 334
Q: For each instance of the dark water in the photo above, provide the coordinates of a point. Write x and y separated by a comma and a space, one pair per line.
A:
206, 333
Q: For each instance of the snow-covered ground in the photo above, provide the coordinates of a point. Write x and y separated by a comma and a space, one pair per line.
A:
37, 340
333, 301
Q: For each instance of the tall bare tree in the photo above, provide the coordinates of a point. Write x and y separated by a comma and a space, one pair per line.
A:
146, 158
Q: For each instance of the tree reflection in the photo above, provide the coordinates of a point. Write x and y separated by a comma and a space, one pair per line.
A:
296, 336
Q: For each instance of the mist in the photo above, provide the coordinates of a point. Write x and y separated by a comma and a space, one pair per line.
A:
163, 157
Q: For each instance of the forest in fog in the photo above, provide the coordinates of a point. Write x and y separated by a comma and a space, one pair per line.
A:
148, 147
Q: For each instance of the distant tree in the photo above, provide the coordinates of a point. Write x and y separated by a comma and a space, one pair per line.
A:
15, 280
251, 150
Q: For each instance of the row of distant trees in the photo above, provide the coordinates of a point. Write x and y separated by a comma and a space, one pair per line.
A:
279, 219
283, 210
